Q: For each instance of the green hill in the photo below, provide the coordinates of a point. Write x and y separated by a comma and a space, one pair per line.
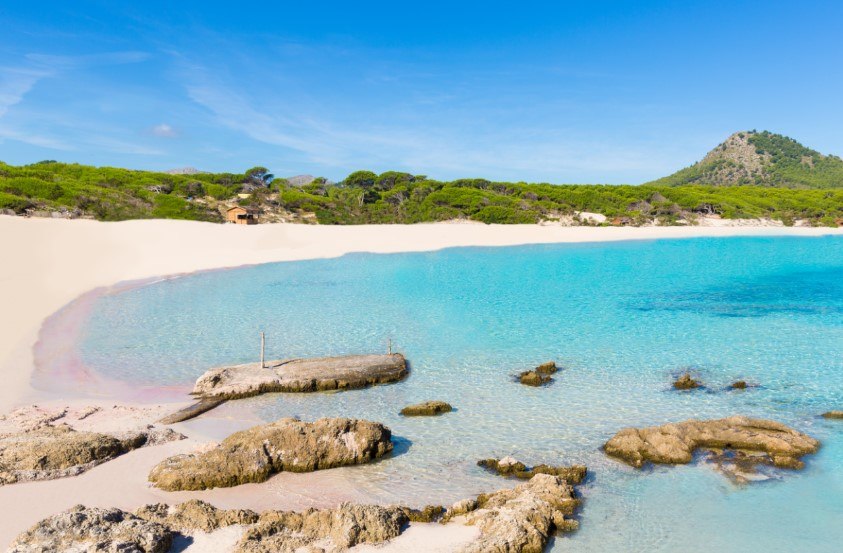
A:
761, 159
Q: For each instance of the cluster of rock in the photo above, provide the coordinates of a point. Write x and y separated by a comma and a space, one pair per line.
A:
288, 444
509, 466
301, 375
538, 376
34, 445
521, 519
426, 409
675, 443
152, 528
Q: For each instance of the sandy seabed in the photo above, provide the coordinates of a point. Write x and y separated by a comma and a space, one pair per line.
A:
48, 263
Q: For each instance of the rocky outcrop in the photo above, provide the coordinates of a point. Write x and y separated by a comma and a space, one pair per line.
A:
675, 443
426, 409
686, 382
48, 451
152, 528
89, 529
833, 415
508, 466
328, 531
195, 515
738, 385
521, 519
255, 454
301, 375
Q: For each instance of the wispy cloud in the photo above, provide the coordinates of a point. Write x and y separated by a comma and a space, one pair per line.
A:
164, 130
15, 83
87, 60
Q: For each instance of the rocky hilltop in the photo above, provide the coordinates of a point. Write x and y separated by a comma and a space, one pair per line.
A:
761, 159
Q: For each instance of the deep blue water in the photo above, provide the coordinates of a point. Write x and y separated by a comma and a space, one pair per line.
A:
622, 318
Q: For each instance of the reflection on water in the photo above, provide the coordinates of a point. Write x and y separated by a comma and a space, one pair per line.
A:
620, 318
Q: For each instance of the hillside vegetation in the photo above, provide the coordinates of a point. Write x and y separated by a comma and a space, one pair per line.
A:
761, 159
762, 165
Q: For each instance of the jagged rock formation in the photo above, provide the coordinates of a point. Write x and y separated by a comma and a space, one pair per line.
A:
675, 443
301, 375
255, 454
47, 451
521, 519
426, 409
509, 466
330, 530
89, 529
761, 159
195, 515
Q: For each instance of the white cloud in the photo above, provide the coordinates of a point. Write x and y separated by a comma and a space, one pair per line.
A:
164, 130
15, 83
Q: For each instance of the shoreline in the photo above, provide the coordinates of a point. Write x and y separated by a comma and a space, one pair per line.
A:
60, 262
57, 367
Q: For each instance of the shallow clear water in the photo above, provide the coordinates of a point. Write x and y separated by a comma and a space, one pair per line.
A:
622, 318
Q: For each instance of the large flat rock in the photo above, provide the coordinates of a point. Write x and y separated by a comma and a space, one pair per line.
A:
675, 443
301, 375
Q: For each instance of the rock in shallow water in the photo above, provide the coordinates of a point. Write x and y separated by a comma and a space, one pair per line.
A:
509, 466
83, 529
833, 415
301, 375
686, 382
675, 443
426, 409
255, 454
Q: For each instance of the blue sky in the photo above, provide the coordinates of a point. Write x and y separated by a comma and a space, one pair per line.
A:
562, 92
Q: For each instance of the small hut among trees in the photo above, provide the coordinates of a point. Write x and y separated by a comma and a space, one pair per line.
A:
240, 215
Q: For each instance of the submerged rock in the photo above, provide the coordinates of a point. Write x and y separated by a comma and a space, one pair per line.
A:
301, 375
675, 443
739, 385
833, 415
255, 454
509, 466
686, 382
48, 451
328, 530
90, 529
521, 519
426, 409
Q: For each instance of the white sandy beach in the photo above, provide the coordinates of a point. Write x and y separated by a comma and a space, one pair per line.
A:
47, 263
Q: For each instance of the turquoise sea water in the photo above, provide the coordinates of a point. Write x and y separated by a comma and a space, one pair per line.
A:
621, 318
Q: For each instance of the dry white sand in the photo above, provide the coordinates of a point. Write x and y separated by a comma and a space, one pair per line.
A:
48, 262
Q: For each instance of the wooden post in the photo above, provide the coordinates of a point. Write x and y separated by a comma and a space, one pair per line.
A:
263, 347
